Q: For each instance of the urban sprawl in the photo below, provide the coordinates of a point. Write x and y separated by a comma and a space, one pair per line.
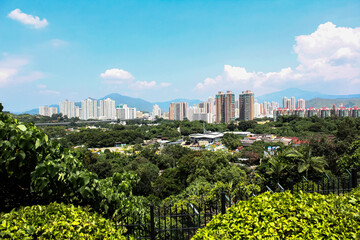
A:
223, 108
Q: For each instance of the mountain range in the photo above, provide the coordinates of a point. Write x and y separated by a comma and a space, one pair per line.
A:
298, 93
138, 103
313, 99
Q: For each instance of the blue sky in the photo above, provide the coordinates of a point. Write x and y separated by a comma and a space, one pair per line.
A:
161, 50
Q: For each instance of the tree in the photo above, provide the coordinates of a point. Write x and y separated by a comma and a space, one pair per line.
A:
277, 168
231, 141
351, 160
307, 161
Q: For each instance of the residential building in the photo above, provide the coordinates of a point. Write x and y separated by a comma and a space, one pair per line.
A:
156, 111
89, 109
225, 107
246, 105
107, 109
67, 108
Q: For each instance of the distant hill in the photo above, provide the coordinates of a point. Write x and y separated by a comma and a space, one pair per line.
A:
298, 93
165, 105
36, 110
320, 102
138, 103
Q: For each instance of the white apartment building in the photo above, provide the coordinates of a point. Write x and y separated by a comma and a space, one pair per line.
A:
156, 111
67, 108
107, 109
47, 111
89, 109
124, 112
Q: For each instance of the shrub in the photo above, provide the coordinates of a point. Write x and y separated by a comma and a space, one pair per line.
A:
288, 216
57, 221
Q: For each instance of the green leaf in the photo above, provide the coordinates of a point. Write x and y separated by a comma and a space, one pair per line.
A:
22, 127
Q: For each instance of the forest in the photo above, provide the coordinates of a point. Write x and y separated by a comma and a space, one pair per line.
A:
39, 166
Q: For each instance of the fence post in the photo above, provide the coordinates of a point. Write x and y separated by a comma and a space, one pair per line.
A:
152, 222
354, 178
223, 209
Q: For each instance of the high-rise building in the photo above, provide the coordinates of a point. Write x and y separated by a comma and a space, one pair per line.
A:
180, 111
47, 111
285, 102
107, 109
156, 111
225, 107
246, 105
123, 112
67, 108
89, 109
171, 111
301, 103
292, 103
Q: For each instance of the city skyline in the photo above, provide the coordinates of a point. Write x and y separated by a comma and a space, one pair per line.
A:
160, 50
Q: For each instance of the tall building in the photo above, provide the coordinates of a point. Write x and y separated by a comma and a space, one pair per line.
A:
285, 102
301, 103
47, 111
180, 111
257, 112
67, 108
225, 107
292, 103
156, 111
246, 105
123, 112
171, 111
89, 109
107, 109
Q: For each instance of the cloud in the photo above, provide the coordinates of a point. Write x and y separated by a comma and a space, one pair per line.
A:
119, 76
328, 56
27, 19
12, 72
116, 76
58, 42
142, 85
44, 90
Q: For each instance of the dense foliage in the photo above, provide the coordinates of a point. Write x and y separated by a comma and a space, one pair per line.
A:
34, 169
289, 216
56, 221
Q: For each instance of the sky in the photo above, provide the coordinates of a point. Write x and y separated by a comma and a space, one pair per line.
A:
161, 50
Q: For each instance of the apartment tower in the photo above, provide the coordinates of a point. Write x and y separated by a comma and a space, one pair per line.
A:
225, 107
246, 105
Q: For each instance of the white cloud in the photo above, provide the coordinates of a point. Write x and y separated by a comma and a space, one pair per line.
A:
329, 55
44, 90
142, 85
27, 19
119, 76
58, 42
12, 72
116, 76
237, 74
165, 84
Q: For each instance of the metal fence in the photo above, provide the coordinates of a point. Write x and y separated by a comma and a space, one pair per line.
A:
182, 220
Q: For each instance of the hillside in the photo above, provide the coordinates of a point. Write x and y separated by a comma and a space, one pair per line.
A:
320, 102
299, 93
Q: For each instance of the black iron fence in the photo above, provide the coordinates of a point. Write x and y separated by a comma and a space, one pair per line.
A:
181, 220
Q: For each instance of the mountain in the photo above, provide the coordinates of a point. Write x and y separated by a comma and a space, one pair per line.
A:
36, 110
139, 103
320, 102
165, 105
298, 93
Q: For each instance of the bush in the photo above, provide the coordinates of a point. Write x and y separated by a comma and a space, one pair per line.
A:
288, 216
57, 221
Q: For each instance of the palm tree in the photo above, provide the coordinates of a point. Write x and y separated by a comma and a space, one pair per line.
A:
306, 161
277, 168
